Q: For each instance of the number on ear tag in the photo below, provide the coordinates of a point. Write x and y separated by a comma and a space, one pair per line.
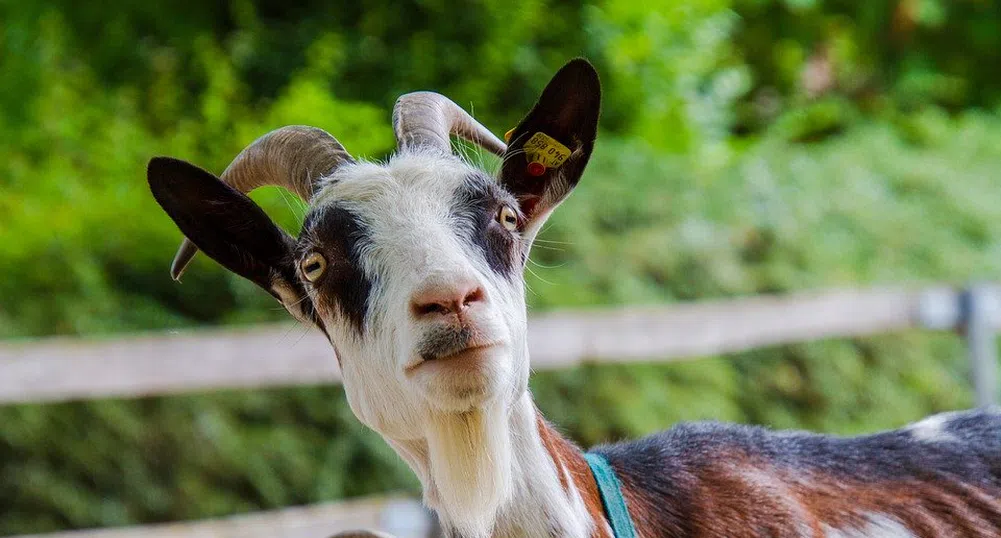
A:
542, 148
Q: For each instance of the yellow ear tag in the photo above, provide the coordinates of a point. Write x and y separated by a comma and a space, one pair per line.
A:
542, 148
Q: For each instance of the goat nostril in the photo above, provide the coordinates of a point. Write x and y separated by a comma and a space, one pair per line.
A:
446, 300
431, 308
474, 296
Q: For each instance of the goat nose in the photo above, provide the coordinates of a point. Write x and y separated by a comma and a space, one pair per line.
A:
448, 297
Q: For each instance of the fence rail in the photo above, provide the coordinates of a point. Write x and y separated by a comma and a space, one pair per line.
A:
281, 355
404, 518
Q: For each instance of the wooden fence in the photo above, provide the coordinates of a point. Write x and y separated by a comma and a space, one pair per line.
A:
404, 518
66, 369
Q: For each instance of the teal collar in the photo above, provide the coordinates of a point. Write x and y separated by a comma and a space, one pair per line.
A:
611, 496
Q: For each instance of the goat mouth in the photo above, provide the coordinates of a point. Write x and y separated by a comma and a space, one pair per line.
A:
454, 356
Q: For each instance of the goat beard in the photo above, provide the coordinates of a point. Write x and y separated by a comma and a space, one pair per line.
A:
470, 457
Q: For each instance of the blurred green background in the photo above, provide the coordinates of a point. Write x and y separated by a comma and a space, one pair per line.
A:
747, 147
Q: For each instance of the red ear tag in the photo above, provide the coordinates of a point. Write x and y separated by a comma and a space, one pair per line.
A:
536, 169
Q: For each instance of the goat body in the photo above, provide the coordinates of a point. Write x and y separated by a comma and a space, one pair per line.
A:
940, 477
412, 269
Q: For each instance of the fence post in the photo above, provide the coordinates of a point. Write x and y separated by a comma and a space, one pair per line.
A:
979, 307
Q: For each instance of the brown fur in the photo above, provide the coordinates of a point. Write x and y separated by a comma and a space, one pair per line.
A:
738, 501
566, 454
724, 489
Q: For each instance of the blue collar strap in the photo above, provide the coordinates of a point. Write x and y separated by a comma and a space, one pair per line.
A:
611, 496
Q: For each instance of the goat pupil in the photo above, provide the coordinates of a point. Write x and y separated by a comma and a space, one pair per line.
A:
312, 267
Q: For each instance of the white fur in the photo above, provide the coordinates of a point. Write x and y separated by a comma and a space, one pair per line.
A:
470, 463
538, 506
470, 436
932, 429
764, 483
877, 526
405, 205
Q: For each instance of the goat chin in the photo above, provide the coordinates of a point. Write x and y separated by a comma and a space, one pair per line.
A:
470, 456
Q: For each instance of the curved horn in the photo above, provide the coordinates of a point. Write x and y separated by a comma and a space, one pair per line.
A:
428, 118
292, 157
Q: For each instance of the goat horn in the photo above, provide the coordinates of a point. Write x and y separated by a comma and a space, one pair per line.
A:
293, 157
428, 118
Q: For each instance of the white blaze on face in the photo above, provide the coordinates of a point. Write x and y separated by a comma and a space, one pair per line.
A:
418, 231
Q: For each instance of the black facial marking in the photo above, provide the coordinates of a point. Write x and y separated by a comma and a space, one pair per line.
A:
476, 206
309, 312
444, 341
339, 235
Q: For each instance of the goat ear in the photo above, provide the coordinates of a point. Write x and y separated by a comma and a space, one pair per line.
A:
228, 226
567, 114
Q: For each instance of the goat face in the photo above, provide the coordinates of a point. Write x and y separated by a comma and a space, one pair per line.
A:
411, 267
421, 295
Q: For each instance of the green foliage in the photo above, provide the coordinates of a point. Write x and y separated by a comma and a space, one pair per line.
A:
672, 74
113, 462
882, 54
82, 216
717, 174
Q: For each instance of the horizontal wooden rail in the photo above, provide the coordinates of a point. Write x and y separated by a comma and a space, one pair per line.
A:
404, 518
281, 355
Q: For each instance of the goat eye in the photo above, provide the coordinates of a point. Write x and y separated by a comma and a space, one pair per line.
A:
508, 218
313, 266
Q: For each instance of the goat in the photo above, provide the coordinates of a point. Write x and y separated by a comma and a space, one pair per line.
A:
412, 268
